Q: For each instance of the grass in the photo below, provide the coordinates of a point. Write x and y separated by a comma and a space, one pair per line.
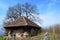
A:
38, 37
2, 38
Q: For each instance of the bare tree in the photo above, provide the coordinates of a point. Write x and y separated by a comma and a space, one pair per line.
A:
30, 10
11, 13
14, 12
26, 9
18, 9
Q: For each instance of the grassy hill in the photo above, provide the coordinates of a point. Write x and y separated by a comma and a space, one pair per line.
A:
38, 37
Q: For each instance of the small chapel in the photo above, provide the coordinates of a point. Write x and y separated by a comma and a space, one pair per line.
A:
22, 27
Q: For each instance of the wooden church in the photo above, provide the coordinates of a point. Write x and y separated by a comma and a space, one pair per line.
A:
22, 27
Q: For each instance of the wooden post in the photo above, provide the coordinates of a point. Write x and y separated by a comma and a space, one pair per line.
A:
14, 37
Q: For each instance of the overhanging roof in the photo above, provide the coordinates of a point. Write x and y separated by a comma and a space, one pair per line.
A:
22, 21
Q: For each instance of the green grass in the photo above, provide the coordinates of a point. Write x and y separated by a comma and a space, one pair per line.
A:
2, 38
38, 37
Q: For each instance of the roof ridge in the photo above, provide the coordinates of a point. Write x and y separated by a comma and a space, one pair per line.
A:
25, 20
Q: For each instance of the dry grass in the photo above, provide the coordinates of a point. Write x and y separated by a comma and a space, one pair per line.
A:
38, 37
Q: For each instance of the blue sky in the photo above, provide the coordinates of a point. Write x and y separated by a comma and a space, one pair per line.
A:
49, 10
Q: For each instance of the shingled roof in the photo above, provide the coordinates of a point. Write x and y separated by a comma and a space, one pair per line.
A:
22, 21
